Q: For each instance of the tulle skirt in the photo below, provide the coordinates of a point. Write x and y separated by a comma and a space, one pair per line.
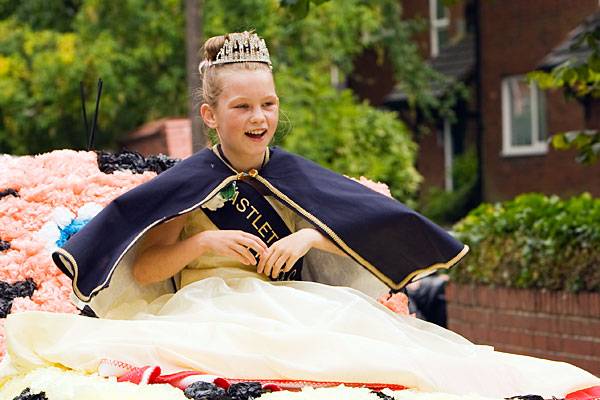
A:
251, 329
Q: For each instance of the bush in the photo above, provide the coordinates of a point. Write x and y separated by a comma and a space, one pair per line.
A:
446, 208
533, 241
337, 131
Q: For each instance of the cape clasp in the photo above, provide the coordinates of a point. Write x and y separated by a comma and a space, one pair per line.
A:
253, 173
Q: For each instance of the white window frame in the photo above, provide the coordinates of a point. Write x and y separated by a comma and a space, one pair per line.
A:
435, 25
537, 146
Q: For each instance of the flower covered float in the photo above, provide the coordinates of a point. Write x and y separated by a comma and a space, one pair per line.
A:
44, 200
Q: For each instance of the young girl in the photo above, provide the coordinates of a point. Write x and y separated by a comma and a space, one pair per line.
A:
221, 224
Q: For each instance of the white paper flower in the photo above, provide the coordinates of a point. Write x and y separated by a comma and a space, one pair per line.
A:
49, 234
216, 202
88, 211
62, 216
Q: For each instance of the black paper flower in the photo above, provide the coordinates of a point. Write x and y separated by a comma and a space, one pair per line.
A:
245, 390
27, 395
8, 192
205, 391
8, 292
134, 162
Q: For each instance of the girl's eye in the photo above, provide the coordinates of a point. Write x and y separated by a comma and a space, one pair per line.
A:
242, 106
269, 104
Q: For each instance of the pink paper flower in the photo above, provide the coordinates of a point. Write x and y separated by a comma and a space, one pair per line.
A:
62, 178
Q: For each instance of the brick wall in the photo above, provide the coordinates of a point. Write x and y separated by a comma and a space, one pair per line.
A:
372, 78
553, 325
419, 10
515, 36
169, 136
178, 136
147, 145
430, 161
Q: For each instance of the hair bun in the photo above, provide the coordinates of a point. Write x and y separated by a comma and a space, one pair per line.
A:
212, 46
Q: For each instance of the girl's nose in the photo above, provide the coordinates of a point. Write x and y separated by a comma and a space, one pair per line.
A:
257, 115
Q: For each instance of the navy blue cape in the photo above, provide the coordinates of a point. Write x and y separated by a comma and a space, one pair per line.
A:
393, 242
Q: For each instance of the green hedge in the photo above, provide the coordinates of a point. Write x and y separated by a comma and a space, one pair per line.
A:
533, 241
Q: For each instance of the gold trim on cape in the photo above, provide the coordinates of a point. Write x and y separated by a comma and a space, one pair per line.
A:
73, 268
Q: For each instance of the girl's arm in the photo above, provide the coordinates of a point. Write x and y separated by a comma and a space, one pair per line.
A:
162, 255
321, 242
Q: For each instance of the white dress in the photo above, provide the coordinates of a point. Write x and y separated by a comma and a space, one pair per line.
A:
227, 320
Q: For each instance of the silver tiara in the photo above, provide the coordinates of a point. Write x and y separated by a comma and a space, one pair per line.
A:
243, 47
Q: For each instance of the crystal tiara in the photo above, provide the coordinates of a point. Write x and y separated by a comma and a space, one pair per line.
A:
243, 47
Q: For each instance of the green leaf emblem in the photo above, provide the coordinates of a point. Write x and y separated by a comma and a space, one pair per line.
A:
228, 192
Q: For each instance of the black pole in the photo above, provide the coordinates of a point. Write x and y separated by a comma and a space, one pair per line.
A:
95, 122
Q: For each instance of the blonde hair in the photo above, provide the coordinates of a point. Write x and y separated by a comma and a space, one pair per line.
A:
212, 75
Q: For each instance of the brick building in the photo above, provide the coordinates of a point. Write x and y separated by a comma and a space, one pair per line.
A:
491, 46
170, 136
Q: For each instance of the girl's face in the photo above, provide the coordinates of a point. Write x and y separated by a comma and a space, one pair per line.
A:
246, 114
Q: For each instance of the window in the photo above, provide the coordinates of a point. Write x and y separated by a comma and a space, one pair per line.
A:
439, 21
523, 118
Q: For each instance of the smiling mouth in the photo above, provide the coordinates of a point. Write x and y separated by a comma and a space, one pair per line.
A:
255, 134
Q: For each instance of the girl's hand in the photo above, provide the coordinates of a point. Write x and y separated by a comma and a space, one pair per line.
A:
397, 302
235, 244
283, 254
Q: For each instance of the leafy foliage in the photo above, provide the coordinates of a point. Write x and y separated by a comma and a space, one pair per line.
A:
346, 136
533, 241
580, 80
587, 144
42, 14
136, 48
300, 8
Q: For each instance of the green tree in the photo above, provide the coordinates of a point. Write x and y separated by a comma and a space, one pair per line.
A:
54, 15
138, 50
347, 136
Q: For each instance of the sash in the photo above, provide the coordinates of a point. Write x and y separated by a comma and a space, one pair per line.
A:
242, 206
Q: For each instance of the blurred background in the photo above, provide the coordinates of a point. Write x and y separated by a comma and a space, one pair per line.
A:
482, 114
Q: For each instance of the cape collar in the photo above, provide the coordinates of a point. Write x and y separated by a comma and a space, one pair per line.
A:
219, 153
